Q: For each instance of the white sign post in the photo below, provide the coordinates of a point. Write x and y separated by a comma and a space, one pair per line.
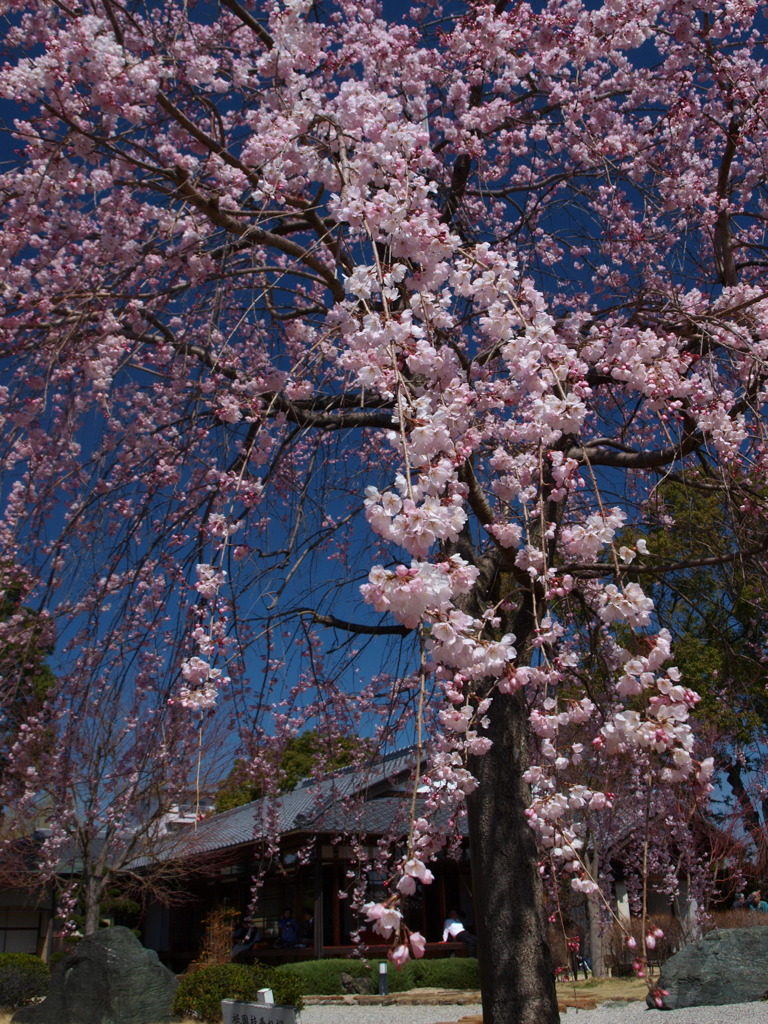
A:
235, 1012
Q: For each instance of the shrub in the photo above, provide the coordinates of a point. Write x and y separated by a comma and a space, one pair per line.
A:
458, 972
23, 977
199, 994
217, 936
323, 977
402, 980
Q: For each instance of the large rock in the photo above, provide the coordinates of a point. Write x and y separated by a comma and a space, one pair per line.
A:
729, 966
110, 978
356, 986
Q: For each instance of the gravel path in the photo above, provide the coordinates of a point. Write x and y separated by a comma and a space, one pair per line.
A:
395, 1013
624, 1013
634, 1013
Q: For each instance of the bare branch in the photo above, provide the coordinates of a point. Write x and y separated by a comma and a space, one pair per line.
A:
250, 21
353, 627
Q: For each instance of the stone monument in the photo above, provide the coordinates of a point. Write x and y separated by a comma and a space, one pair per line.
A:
109, 978
726, 966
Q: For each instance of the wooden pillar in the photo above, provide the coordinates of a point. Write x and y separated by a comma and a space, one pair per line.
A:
318, 904
441, 893
336, 907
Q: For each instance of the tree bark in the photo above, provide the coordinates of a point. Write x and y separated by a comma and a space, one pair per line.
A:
595, 922
516, 973
596, 943
93, 890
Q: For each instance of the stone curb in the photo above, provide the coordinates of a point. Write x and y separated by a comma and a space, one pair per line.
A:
444, 997
418, 997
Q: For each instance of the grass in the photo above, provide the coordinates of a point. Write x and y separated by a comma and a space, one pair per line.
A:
604, 989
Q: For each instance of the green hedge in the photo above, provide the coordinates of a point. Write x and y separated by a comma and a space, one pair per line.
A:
23, 977
323, 977
199, 994
455, 972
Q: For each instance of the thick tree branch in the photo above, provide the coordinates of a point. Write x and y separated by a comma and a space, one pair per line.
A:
601, 452
256, 235
353, 627
477, 497
204, 138
250, 21
723, 238
660, 568
322, 412
459, 178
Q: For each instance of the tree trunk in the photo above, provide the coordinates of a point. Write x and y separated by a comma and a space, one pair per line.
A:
596, 943
93, 890
516, 973
595, 920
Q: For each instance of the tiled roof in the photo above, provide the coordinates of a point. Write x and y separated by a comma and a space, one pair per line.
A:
344, 802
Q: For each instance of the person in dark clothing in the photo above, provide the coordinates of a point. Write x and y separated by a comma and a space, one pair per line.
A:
579, 961
308, 929
288, 930
246, 936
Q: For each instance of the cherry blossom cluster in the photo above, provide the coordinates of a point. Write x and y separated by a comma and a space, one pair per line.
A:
202, 679
388, 922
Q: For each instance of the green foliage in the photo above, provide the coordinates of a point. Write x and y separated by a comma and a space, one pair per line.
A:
121, 908
298, 761
115, 906
199, 994
25, 678
456, 972
323, 977
23, 977
237, 789
402, 980
714, 607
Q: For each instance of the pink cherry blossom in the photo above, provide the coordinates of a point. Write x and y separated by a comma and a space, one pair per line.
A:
294, 301
399, 955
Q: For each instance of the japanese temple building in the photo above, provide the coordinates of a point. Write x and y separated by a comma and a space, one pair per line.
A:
307, 848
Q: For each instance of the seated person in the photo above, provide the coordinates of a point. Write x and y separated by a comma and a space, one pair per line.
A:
288, 930
246, 936
308, 929
454, 931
